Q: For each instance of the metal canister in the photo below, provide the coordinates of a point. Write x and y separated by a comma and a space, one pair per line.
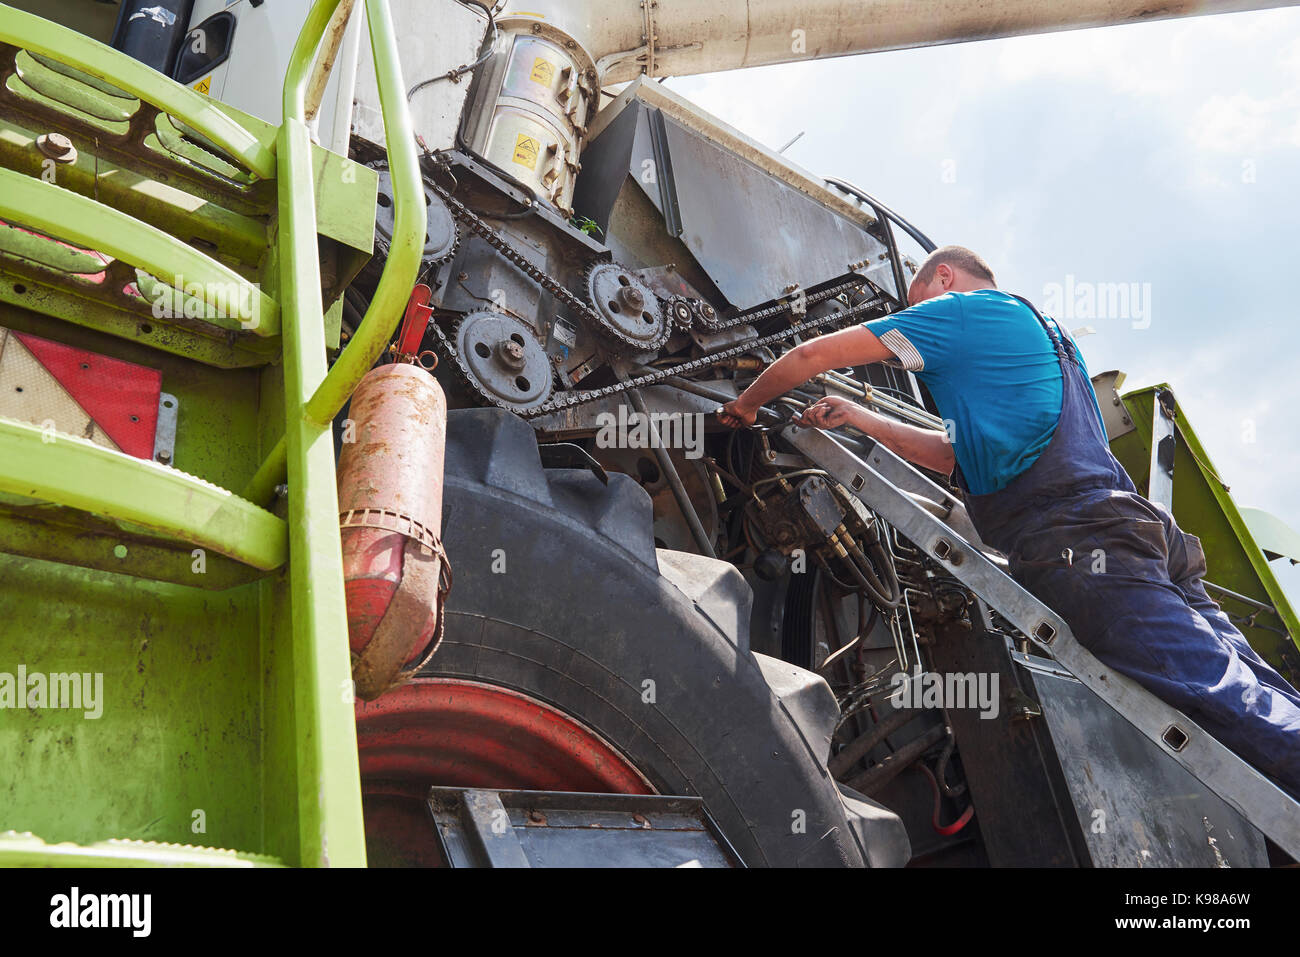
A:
390, 508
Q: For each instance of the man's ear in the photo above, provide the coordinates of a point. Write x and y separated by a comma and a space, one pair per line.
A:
943, 272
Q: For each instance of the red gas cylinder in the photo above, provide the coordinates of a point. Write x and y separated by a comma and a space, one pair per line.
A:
390, 513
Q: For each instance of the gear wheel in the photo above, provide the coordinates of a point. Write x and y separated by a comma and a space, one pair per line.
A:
631, 320
706, 317
680, 312
442, 234
500, 357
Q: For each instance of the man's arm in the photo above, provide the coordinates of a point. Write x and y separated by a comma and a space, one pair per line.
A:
926, 447
849, 347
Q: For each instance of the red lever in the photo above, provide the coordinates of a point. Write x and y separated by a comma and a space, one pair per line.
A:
415, 321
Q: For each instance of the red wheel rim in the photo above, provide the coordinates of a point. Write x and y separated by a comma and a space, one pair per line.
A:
453, 733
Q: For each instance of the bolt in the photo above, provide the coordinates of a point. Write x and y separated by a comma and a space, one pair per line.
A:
57, 147
641, 819
536, 817
632, 296
511, 354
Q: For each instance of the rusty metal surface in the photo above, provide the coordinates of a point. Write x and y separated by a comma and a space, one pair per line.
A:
391, 460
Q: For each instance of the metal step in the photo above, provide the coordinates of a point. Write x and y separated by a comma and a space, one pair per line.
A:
484, 828
1240, 785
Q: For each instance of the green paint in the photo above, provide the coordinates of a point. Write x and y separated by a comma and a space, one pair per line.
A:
1205, 508
216, 625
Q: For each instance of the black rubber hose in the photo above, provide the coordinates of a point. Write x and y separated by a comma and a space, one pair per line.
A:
926, 243
861, 746
877, 777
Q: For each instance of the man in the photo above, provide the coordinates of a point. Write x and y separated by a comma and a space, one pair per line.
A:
1030, 455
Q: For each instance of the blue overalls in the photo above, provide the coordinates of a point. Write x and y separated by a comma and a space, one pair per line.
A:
1133, 595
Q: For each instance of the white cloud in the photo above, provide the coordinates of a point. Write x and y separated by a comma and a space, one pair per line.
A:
1245, 125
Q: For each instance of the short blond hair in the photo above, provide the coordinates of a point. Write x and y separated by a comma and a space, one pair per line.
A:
955, 257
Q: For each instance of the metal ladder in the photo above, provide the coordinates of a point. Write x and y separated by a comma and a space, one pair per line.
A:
897, 493
115, 183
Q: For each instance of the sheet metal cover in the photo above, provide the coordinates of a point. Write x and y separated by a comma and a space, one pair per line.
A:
1137, 807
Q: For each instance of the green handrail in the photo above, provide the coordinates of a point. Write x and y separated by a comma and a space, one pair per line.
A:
329, 800
410, 223
37, 35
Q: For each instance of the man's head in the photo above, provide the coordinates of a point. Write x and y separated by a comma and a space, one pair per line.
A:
950, 269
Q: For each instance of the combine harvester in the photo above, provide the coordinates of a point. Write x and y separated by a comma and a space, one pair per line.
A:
248, 262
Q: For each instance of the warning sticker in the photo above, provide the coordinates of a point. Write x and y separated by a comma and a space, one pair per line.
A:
204, 85
526, 150
543, 72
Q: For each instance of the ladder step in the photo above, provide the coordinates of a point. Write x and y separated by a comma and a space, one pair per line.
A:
64, 470
237, 304
24, 849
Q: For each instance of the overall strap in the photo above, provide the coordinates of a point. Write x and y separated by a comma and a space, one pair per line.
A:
1064, 348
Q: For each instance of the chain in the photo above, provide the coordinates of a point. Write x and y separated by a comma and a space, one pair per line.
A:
568, 399
499, 243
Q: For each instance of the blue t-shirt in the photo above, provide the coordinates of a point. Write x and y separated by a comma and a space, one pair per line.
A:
993, 373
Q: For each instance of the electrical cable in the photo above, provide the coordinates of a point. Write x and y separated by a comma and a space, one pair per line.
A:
460, 71
947, 830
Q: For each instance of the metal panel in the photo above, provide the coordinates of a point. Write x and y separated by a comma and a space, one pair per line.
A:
720, 183
1106, 386
480, 828
722, 196
1160, 487
424, 53
1136, 807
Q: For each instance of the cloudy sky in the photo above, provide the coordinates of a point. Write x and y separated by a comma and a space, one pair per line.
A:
1165, 155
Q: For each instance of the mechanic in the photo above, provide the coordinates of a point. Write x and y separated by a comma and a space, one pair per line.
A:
1027, 442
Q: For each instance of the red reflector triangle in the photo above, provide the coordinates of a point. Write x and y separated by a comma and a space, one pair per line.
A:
121, 397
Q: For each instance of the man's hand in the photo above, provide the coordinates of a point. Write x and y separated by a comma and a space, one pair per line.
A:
829, 413
737, 414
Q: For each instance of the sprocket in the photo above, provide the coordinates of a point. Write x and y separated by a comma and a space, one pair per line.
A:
442, 232
680, 312
631, 322
500, 357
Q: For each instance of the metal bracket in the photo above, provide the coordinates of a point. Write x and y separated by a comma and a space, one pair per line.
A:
484, 828
1160, 485
1247, 790
664, 172
164, 437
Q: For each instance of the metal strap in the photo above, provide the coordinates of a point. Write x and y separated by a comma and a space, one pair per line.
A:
392, 521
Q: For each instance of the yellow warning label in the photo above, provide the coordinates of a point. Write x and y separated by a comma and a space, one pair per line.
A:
526, 150
543, 72
204, 85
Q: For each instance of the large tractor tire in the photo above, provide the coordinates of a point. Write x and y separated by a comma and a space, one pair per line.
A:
577, 657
